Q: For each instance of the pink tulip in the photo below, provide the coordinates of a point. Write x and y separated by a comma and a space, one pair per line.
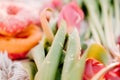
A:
73, 16
53, 4
91, 68
113, 74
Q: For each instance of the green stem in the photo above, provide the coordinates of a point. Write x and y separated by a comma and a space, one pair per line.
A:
95, 18
94, 32
111, 43
117, 17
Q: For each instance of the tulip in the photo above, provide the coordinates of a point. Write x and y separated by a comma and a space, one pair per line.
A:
72, 14
113, 74
91, 68
54, 4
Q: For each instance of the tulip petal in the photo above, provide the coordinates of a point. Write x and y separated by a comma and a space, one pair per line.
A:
72, 14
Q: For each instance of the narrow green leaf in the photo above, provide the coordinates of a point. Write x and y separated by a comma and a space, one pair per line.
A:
94, 51
76, 73
73, 52
50, 64
30, 68
38, 55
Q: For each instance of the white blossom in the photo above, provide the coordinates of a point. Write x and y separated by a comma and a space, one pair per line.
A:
10, 70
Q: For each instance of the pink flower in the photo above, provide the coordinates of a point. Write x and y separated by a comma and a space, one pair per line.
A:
113, 74
53, 4
72, 14
92, 67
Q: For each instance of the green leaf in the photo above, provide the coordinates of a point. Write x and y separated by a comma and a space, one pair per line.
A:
38, 55
30, 68
72, 53
76, 72
95, 51
50, 64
